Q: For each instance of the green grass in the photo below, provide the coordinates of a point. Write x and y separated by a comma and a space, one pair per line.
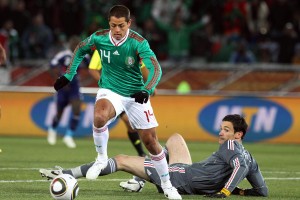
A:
21, 157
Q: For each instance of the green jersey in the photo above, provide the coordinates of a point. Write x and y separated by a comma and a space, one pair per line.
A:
120, 62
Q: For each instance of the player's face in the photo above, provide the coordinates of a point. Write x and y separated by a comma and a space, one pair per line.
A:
118, 27
226, 132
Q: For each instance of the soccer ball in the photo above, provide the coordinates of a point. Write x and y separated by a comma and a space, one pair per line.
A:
64, 187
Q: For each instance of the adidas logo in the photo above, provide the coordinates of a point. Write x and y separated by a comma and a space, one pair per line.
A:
116, 53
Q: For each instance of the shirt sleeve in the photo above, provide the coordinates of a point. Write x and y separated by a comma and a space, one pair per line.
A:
150, 61
95, 61
86, 46
232, 154
60, 58
255, 178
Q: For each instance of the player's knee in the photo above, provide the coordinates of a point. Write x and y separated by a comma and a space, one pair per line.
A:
100, 120
175, 138
121, 161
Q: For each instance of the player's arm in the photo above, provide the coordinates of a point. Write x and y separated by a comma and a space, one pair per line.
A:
2, 55
60, 59
84, 47
145, 73
255, 178
95, 66
231, 155
147, 56
154, 70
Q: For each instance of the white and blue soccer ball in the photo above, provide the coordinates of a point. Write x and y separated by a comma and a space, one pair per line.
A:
64, 187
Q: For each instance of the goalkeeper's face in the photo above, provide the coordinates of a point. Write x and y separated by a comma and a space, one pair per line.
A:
227, 132
119, 27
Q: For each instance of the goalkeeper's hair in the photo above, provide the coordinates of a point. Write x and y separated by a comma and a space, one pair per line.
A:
238, 122
119, 11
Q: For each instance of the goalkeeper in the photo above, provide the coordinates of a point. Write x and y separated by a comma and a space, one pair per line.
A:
95, 70
217, 176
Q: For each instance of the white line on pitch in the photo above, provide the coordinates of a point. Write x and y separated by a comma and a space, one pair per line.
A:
32, 181
25, 169
114, 180
276, 178
32, 169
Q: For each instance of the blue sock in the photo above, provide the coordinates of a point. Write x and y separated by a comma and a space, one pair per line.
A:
69, 133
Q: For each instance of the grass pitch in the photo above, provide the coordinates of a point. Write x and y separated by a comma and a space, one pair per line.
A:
21, 158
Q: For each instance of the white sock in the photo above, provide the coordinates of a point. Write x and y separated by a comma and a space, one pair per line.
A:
160, 163
101, 136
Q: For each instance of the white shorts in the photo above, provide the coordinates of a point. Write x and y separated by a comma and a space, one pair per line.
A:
140, 116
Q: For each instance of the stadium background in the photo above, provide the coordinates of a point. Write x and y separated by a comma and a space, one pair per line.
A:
208, 81
203, 79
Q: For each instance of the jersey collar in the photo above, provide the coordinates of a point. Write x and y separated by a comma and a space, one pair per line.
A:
118, 42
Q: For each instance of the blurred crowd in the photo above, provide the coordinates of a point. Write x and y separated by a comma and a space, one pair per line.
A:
236, 31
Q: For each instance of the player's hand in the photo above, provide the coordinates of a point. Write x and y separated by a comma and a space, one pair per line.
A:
140, 97
238, 191
222, 194
61, 82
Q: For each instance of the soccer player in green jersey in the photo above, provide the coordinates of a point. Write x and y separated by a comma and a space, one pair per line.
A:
218, 176
122, 89
95, 71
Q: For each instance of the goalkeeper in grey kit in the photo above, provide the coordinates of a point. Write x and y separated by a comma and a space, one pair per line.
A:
122, 89
218, 176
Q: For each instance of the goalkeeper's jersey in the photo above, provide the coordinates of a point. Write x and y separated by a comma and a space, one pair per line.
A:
225, 168
120, 62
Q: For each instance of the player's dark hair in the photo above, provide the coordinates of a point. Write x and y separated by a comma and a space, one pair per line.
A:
238, 122
119, 11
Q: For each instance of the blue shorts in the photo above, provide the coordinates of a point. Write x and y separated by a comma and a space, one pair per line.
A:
66, 95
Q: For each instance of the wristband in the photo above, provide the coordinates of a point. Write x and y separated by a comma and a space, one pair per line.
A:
226, 192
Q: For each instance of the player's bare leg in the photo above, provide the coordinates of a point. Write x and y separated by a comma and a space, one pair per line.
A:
178, 150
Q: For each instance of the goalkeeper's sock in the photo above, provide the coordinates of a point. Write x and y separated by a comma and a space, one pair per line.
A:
136, 142
81, 171
138, 179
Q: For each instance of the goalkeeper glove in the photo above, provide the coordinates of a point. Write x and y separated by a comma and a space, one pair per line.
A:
238, 191
61, 82
222, 194
140, 97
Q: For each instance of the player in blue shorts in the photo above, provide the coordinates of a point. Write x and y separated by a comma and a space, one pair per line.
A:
70, 95
218, 176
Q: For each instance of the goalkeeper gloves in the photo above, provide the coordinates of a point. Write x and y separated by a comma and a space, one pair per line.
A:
222, 194
140, 97
238, 191
61, 82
